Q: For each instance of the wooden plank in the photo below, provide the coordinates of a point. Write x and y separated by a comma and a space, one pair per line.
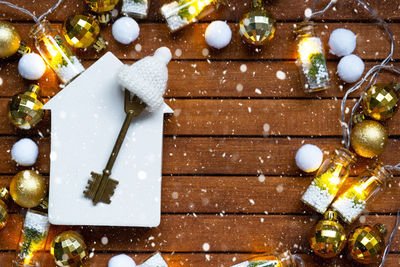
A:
188, 233
281, 10
192, 45
212, 194
212, 79
219, 155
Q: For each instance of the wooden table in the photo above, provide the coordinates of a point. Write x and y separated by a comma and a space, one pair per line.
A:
230, 185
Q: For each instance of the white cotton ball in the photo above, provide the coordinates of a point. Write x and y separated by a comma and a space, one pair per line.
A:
218, 34
309, 158
350, 68
342, 42
25, 152
31, 66
121, 260
125, 30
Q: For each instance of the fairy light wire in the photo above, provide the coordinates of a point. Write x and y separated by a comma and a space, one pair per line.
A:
26, 11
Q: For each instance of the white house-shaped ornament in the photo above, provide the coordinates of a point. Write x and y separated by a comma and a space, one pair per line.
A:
86, 117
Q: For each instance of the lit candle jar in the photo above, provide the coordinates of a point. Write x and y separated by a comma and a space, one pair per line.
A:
33, 239
285, 259
135, 8
351, 203
179, 14
53, 48
311, 59
328, 180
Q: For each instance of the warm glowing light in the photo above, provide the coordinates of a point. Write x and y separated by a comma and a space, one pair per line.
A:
307, 47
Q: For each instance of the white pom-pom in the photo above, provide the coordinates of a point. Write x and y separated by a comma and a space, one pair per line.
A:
342, 42
125, 30
31, 66
309, 158
121, 260
218, 34
350, 68
163, 54
25, 152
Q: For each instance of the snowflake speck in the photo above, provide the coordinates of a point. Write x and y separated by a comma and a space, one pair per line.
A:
104, 240
279, 188
178, 52
243, 68
239, 87
206, 247
280, 75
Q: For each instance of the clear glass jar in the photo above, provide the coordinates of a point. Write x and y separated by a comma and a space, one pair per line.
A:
285, 259
135, 8
181, 13
329, 178
33, 239
311, 59
54, 50
353, 201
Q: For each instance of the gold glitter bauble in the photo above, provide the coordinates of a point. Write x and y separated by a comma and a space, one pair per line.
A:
28, 188
369, 138
257, 26
366, 244
380, 101
25, 109
68, 249
82, 31
328, 237
9, 39
101, 6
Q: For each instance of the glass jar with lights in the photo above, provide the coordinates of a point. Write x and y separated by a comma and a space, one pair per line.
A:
181, 13
135, 8
285, 259
311, 58
54, 50
329, 178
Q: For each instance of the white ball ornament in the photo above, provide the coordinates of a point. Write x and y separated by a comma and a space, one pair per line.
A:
309, 158
125, 30
350, 68
342, 42
31, 66
25, 152
218, 34
121, 260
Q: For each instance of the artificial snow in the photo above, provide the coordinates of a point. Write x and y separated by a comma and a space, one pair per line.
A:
348, 209
135, 8
317, 198
69, 71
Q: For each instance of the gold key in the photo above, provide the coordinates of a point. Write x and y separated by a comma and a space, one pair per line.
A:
101, 187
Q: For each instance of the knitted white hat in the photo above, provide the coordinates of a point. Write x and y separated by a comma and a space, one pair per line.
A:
147, 78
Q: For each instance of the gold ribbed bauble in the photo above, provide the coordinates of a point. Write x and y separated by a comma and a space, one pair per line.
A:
68, 249
28, 188
9, 39
3, 207
366, 243
369, 138
101, 6
257, 26
328, 238
380, 101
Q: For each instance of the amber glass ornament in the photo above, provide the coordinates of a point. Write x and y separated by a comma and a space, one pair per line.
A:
25, 109
68, 249
366, 244
285, 259
352, 203
329, 178
380, 101
101, 6
28, 188
3, 207
82, 31
257, 26
311, 58
369, 138
328, 238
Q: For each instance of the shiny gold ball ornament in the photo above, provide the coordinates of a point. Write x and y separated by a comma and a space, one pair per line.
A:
369, 138
25, 109
68, 249
257, 26
82, 31
366, 244
328, 238
101, 6
28, 188
10, 40
380, 101
3, 207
